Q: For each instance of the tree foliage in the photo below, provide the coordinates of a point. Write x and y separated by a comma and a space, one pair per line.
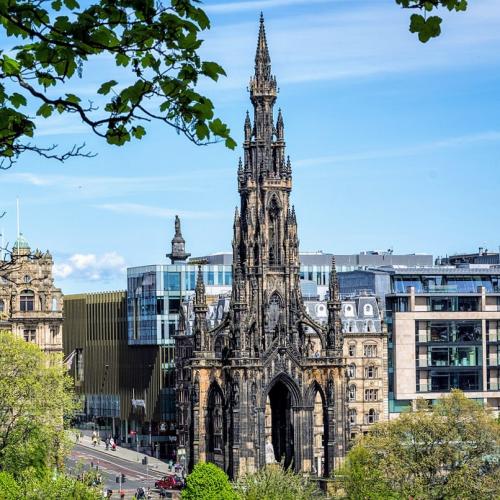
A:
155, 46
274, 482
36, 401
427, 26
208, 482
449, 451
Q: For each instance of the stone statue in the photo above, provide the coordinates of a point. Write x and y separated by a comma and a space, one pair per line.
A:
270, 458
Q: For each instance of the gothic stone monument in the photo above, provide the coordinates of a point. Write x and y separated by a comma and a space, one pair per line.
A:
268, 379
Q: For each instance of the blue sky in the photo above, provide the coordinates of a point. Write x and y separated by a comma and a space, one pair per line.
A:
393, 144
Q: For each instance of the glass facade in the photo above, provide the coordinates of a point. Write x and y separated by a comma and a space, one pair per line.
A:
449, 355
154, 296
445, 283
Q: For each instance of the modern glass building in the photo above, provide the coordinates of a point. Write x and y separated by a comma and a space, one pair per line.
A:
155, 293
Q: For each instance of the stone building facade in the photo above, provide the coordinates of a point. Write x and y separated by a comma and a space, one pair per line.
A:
365, 351
268, 382
30, 305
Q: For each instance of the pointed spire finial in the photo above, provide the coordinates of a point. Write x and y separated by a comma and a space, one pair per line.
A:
200, 288
334, 282
262, 59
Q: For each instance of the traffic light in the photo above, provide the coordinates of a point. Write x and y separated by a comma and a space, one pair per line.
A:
123, 478
145, 461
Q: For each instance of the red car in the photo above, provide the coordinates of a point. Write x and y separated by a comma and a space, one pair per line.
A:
169, 483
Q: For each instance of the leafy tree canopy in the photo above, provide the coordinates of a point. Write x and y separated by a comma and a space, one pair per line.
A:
274, 482
208, 482
36, 402
451, 450
427, 26
154, 44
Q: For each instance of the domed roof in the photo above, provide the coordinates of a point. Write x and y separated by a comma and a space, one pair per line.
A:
21, 243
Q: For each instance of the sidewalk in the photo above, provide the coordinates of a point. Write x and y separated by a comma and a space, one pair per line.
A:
127, 454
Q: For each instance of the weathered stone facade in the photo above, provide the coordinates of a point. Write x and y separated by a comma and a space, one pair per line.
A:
30, 304
365, 351
251, 390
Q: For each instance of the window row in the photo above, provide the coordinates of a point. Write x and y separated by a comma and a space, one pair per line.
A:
369, 350
370, 417
369, 394
369, 371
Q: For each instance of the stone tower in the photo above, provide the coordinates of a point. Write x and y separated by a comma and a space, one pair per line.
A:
268, 383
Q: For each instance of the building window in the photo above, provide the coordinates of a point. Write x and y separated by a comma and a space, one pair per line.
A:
351, 370
371, 371
54, 304
371, 394
27, 301
368, 310
27, 279
352, 416
371, 417
2, 306
352, 349
29, 335
351, 393
174, 306
370, 350
172, 281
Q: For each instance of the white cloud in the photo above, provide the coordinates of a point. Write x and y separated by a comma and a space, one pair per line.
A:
356, 40
451, 142
150, 211
256, 5
91, 267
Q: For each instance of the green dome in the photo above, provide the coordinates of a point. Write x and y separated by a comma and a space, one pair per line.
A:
21, 243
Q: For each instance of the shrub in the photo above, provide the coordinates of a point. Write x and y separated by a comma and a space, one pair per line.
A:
208, 482
274, 482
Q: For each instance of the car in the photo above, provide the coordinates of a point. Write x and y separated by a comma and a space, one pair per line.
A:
169, 483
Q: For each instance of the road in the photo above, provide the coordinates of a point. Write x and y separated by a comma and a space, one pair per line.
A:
136, 474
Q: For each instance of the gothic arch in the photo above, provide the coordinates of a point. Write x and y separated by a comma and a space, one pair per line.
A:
310, 396
289, 384
215, 424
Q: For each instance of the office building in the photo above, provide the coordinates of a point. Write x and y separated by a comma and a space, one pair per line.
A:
443, 324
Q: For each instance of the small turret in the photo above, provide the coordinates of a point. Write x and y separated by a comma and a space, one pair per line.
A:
248, 127
334, 334
280, 128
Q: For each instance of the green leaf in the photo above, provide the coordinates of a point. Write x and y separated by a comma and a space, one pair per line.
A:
230, 143
17, 100
202, 131
44, 110
138, 132
56, 5
73, 98
72, 4
10, 66
212, 70
122, 60
105, 88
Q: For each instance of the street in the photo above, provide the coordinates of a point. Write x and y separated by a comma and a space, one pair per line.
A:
136, 474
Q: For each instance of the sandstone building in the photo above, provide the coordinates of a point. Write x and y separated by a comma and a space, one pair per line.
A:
30, 304
268, 382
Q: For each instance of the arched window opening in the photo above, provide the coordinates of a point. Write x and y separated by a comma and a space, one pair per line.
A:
351, 370
371, 417
2, 306
27, 301
352, 416
351, 393
215, 419
274, 233
371, 372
